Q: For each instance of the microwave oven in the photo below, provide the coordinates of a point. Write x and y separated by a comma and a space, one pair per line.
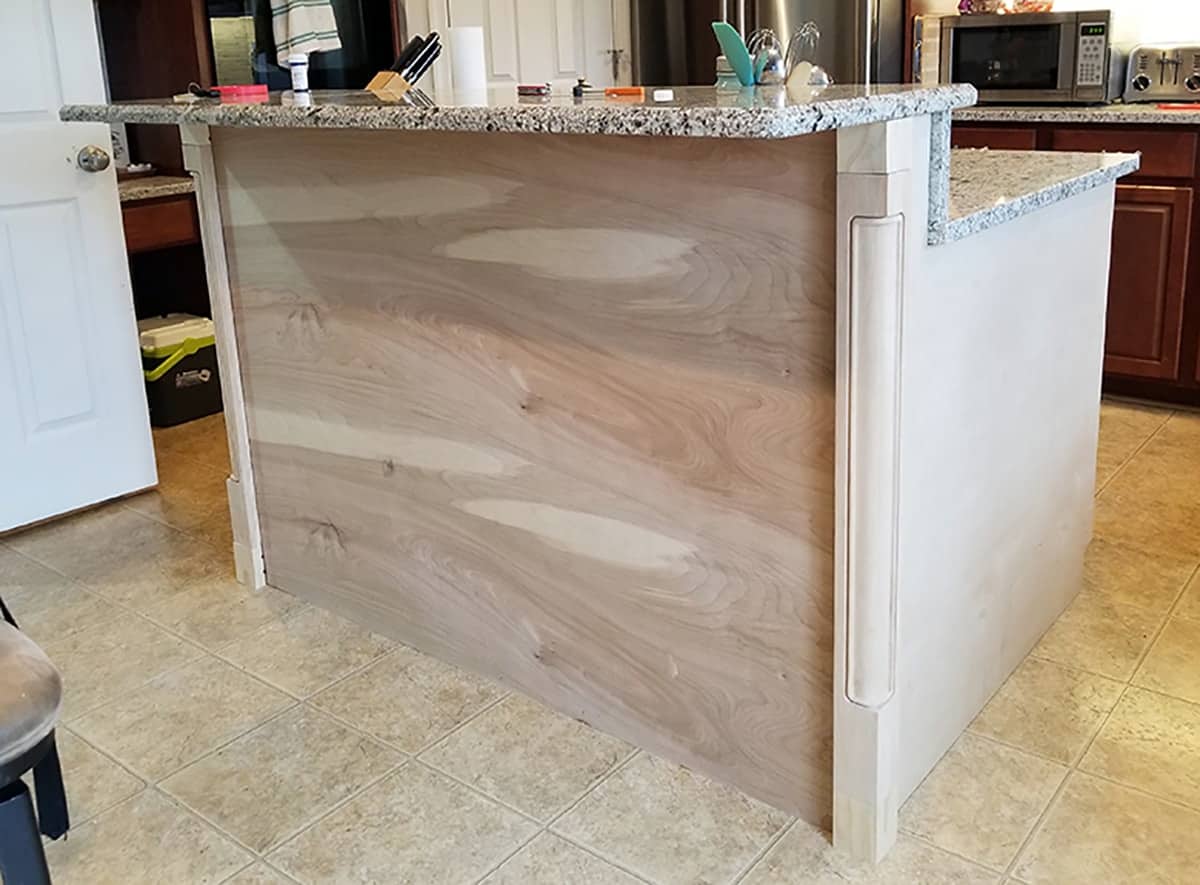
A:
1038, 57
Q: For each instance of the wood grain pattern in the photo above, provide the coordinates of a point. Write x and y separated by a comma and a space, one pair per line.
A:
559, 410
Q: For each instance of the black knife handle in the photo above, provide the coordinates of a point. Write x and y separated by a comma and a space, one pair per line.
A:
408, 53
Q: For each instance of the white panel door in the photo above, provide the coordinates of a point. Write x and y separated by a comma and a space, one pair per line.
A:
543, 41
74, 429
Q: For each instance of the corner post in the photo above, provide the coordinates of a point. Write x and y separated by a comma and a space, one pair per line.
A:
243, 505
874, 186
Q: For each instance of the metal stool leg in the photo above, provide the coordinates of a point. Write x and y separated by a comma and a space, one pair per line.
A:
22, 860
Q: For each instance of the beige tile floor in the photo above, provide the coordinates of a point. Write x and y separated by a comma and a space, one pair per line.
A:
212, 735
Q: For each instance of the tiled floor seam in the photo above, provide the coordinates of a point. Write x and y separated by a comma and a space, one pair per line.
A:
76, 715
217, 749
1037, 824
580, 844
275, 846
992, 739
409, 759
190, 812
117, 762
1071, 770
1141, 791
1157, 635
246, 868
258, 861
505, 694
1192, 581
917, 837
765, 850
218, 653
1120, 468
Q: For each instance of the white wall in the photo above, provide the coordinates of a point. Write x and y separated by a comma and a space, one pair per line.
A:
1146, 21
1137, 21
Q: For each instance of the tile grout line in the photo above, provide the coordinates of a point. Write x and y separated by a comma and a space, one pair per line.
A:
77, 715
145, 784
505, 694
1124, 463
217, 749
968, 860
586, 847
275, 846
544, 827
219, 654
1127, 684
1074, 768
766, 849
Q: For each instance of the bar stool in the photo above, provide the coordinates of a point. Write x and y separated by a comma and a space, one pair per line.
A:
30, 700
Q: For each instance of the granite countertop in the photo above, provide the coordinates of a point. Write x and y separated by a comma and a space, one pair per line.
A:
1111, 114
969, 191
696, 111
154, 186
989, 188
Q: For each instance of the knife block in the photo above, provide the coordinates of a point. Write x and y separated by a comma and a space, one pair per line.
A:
388, 86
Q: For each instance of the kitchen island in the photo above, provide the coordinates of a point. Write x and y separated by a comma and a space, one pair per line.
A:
756, 429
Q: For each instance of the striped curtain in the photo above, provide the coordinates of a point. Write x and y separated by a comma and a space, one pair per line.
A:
303, 26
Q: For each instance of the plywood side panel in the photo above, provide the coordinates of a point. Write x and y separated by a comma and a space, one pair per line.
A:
559, 410
1002, 369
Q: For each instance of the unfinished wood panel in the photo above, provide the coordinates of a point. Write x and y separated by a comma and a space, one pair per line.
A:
559, 410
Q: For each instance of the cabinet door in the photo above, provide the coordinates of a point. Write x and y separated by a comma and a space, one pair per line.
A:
997, 138
1149, 275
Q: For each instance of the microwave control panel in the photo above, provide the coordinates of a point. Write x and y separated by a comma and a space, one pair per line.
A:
1092, 57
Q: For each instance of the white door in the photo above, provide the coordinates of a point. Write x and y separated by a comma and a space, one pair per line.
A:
74, 428
544, 41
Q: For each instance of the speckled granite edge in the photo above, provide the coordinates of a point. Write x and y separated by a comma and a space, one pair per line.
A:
939, 172
1114, 114
156, 186
732, 121
1005, 210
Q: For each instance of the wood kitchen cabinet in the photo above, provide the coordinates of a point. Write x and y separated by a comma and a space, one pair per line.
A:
1152, 348
1151, 234
998, 138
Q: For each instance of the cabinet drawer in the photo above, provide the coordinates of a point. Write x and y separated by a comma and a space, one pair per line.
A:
999, 138
157, 224
1165, 154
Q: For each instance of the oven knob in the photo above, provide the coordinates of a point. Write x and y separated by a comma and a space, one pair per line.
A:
1193, 83
1142, 82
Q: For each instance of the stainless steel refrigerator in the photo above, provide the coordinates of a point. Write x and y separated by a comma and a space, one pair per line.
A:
862, 41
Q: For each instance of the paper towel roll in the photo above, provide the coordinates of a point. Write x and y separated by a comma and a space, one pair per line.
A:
468, 63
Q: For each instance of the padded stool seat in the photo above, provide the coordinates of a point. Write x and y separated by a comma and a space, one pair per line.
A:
30, 694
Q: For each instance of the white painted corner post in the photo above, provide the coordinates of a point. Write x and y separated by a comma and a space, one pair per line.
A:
243, 505
874, 189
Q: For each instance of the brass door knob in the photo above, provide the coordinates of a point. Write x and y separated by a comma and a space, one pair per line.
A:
93, 159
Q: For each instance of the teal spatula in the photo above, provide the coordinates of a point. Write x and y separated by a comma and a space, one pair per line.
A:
735, 51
